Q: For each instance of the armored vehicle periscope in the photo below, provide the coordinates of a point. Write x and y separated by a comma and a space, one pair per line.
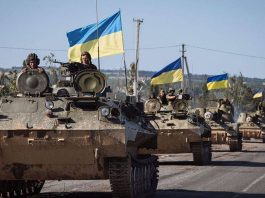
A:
252, 125
72, 133
224, 129
180, 131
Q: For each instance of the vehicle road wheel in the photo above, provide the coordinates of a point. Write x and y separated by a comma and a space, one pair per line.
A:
133, 177
202, 153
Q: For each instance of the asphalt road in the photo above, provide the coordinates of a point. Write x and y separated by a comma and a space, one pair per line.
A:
231, 175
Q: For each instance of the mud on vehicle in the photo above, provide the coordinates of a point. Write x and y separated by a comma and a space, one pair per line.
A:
221, 121
252, 124
180, 131
73, 133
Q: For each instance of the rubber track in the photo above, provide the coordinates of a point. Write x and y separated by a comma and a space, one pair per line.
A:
20, 188
199, 155
133, 177
235, 145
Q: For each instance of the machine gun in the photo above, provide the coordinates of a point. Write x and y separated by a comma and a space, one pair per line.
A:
76, 80
70, 68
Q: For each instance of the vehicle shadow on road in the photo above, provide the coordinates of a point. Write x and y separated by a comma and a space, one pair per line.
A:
170, 193
237, 163
182, 163
214, 163
253, 151
243, 151
181, 193
75, 195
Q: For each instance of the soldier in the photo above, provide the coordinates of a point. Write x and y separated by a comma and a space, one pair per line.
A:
162, 97
32, 62
86, 61
171, 97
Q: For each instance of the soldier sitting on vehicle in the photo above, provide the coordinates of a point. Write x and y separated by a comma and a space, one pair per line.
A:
86, 61
162, 97
171, 97
261, 108
32, 62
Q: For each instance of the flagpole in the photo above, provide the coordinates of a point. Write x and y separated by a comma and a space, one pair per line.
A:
124, 62
135, 89
97, 34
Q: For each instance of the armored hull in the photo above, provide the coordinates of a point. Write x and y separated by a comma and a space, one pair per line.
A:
252, 125
76, 137
226, 133
180, 132
224, 129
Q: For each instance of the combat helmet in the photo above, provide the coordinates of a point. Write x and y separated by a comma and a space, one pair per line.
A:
33, 56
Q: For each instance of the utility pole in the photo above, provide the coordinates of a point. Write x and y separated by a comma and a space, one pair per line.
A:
135, 83
184, 61
182, 66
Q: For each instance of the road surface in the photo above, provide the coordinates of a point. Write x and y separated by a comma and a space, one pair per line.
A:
231, 175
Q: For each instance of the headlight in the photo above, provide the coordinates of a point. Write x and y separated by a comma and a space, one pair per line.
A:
249, 119
208, 115
105, 111
49, 104
197, 112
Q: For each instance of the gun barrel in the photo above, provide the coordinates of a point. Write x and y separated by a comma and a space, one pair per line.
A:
55, 61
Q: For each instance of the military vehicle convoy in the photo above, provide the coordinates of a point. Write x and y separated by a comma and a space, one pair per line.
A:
180, 131
252, 125
224, 129
72, 133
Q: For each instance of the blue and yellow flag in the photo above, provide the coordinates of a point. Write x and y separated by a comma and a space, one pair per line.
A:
107, 35
258, 94
217, 82
169, 74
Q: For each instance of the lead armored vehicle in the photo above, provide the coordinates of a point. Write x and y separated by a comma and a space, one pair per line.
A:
224, 129
252, 125
72, 133
180, 131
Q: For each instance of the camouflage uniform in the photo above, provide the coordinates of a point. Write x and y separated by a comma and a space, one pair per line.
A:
88, 65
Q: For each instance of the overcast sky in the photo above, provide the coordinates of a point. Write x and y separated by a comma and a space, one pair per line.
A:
236, 26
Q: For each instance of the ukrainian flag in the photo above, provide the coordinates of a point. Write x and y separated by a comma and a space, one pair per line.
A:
107, 35
258, 95
169, 74
217, 82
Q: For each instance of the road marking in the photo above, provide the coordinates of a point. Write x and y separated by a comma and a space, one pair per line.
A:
253, 183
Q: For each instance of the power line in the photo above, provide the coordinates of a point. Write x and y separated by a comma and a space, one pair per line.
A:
33, 49
144, 48
226, 52
158, 47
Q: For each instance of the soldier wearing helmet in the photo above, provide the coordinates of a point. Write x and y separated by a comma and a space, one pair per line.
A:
32, 62
86, 61
162, 97
171, 97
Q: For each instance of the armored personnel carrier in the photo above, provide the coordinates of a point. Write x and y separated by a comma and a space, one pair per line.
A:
180, 131
224, 129
252, 125
72, 133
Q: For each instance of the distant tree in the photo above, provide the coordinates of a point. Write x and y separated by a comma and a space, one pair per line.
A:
8, 83
132, 73
49, 59
204, 97
52, 73
240, 94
